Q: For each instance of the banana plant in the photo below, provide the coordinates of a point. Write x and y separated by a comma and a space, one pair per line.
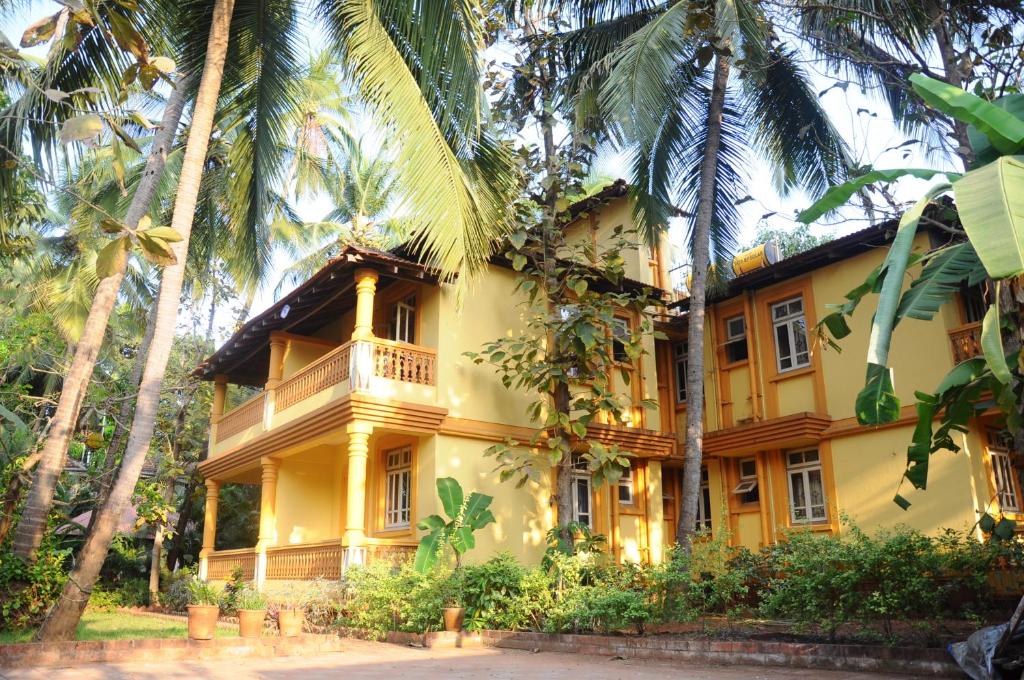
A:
989, 204
466, 515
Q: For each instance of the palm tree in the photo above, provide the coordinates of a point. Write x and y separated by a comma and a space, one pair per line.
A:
451, 172
365, 194
644, 67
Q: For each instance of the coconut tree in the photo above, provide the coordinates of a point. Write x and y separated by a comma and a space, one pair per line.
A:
694, 90
396, 55
364, 191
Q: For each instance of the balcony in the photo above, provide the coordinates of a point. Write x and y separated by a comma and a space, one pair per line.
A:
382, 368
965, 342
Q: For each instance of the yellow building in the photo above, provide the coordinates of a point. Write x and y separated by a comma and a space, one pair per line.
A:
366, 397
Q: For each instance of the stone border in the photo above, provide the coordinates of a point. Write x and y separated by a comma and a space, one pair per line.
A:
74, 653
916, 661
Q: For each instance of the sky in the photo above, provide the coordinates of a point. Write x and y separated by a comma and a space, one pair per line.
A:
859, 116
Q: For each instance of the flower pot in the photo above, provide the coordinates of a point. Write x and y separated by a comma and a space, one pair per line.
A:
202, 621
453, 618
290, 622
250, 622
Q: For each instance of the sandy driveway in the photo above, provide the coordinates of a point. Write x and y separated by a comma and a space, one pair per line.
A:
377, 660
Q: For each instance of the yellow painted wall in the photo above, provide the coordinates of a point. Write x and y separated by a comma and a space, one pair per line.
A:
868, 467
523, 516
299, 354
307, 507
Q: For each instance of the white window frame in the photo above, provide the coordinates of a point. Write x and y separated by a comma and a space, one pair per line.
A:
748, 482
680, 361
1002, 470
732, 336
789, 322
403, 320
801, 464
581, 477
704, 501
398, 487
625, 487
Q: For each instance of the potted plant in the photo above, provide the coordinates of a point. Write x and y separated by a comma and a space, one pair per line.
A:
203, 610
252, 611
290, 618
454, 611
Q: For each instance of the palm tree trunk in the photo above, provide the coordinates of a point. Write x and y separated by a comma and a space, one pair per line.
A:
110, 465
177, 548
32, 525
695, 327
61, 623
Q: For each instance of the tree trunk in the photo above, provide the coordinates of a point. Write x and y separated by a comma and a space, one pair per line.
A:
174, 553
61, 623
695, 328
951, 70
12, 495
29, 533
110, 465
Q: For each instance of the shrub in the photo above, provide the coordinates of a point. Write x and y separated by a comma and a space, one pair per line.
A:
234, 586
130, 593
320, 600
382, 598
175, 593
203, 593
249, 598
30, 589
493, 594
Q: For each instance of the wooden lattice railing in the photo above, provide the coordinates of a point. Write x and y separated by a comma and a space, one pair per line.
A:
306, 561
966, 342
392, 552
404, 362
245, 416
327, 371
221, 563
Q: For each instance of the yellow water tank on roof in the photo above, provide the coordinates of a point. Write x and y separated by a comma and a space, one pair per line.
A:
763, 255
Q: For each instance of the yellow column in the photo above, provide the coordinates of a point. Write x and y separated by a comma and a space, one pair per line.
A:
220, 393
655, 512
355, 515
366, 288
268, 516
209, 524
277, 347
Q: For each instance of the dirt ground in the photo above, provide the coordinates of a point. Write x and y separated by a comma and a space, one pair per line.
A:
362, 659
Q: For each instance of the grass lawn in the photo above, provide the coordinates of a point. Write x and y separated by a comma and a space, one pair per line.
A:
117, 625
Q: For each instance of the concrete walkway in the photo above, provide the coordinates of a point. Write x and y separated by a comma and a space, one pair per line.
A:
362, 659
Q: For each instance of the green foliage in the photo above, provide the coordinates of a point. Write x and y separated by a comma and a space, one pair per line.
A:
203, 593
567, 359
128, 593
320, 601
466, 516
174, 594
232, 590
249, 598
790, 241
583, 542
30, 589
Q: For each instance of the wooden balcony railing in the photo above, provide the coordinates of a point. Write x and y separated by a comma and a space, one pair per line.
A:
245, 416
305, 561
327, 371
393, 553
221, 563
404, 362
966, 342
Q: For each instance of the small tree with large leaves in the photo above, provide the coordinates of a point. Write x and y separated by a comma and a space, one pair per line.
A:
465, 516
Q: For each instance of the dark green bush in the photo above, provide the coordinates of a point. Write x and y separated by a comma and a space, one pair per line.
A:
29, 590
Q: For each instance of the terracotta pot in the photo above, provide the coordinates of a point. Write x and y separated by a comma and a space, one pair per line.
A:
202, 621
453, 618
290, 622
250, 622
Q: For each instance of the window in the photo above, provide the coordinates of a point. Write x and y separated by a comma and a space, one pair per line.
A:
626, 487
403, 321
621, 334
735, 339
581, 492
806, 488
1002, 469
975, 302
791, 349
397, 487
680, 354
704, 502
747, 487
